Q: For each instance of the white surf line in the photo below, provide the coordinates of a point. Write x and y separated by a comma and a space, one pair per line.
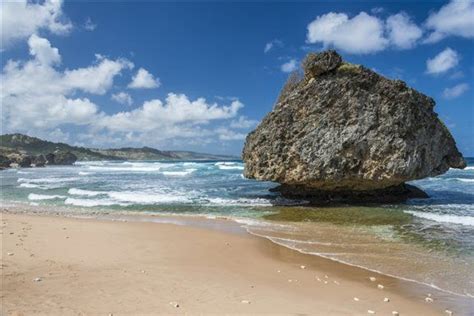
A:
361, 267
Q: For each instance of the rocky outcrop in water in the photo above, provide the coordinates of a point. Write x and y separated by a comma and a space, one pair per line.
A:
340, 132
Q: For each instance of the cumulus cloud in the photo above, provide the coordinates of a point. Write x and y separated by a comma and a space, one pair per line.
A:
442, 62
177, 109
402, 31
122, 98
243, 123
20, 19
144, 80
289, 66
456, 91
43, 51
360, 35
41, 97
36, 94
455, 18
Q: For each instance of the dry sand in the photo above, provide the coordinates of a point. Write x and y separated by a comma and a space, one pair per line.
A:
62, 266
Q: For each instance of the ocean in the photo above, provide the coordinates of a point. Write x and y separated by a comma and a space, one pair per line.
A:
430, 241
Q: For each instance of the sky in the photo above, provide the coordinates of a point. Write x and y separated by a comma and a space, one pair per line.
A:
201, 75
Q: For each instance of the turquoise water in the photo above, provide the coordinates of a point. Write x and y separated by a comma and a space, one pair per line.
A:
429, 241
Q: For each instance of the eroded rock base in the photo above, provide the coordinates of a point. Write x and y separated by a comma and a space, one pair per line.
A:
394, 194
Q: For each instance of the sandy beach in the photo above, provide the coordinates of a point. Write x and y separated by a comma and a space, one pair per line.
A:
62, 266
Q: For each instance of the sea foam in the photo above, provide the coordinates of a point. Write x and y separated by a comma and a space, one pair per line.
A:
38, 197
444, 218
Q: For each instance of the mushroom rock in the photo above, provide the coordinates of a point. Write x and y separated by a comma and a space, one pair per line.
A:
340, 132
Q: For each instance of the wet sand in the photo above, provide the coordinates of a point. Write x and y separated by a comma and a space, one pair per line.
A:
63, 266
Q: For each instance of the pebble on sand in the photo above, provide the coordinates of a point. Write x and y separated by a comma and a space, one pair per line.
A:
395, 313
303, 267
373, 279
335, 282
428, 299
37, 279
448, 312
380, 286
10, 253
174, 304
245, 302
326, 276
356, 299
371, 312
386, 300
319, 280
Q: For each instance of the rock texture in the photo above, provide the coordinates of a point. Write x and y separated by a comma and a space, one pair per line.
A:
340, 127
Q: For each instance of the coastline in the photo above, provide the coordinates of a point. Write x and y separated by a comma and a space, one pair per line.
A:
205, 266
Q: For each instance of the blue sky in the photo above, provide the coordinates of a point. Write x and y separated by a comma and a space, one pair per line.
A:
199, 76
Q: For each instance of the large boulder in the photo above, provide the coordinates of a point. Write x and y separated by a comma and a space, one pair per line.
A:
340, 127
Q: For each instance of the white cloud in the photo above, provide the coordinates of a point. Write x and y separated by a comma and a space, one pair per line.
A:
89, 25
42, 50
455, 18
36, 94
402, 32
360, 35
227, 134
289, 66
177, 109
456, 91
20, 19
442, 62
271, 45
41, 98
122, 98
243, 123
144, 80
98, 78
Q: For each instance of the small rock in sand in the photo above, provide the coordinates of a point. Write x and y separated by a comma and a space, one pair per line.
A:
174, 304
335, 282
325, 282
395, 313
428, 299
380, 286
245, 302
373, 279
37, 279
448, 312
429, 294
303, 267
326, 277
356, 299
371, 312
386, 300
10, 253
278, 271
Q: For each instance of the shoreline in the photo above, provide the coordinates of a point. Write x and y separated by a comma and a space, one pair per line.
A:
266, 256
